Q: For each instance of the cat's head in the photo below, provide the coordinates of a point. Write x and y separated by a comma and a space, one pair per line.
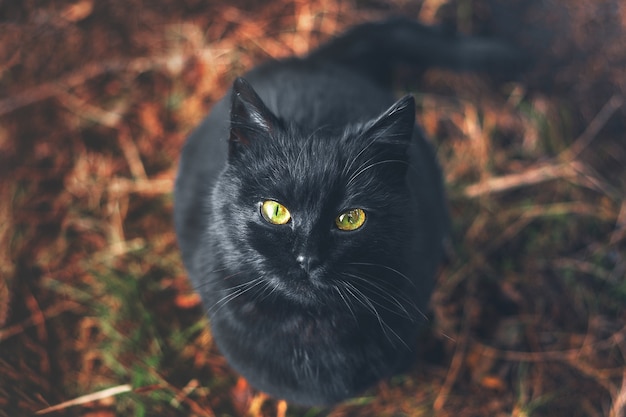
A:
316, 216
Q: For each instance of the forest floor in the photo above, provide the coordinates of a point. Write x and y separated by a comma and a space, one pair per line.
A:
96, 99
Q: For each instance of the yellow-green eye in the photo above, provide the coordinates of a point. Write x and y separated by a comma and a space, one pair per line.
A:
274, 212
351, 219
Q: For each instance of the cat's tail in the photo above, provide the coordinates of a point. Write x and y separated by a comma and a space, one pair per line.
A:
375, 49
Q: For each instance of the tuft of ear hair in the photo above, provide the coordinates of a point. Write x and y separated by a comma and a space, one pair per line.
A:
249, 117
396, 124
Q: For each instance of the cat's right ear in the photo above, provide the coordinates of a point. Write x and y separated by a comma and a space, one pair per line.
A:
396, 125
250, 119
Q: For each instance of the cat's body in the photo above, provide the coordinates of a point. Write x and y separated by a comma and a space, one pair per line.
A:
307, 311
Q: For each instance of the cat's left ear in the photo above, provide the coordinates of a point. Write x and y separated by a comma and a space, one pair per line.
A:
250, 118
396, 125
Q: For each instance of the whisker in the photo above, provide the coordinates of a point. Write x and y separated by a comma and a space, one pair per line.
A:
365, 148
386, 295
362, 170
387, 268
399, 295
258, 293
365, 163
206, 282
338, 289
368, 304
309, 138
272, 290
229, 297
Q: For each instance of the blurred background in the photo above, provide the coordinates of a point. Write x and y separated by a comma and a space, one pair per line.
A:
96, 99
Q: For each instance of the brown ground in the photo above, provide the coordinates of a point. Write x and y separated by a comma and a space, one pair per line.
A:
96, 99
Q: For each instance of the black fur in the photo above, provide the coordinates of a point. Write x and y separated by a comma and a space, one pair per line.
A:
305, 311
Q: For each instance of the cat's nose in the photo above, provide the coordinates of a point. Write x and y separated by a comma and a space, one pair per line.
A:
308, 263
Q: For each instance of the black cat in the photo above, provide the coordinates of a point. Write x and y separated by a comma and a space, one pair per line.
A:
310, 212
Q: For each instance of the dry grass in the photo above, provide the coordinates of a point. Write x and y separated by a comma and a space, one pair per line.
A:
96, 99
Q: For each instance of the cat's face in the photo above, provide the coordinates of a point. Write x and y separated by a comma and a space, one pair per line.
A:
315, 217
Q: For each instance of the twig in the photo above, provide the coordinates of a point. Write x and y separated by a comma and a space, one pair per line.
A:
55, 310
570, 357
182, 395
7, 261
111, 119
531, 213
254, 410
592, 130
542, 173
42, 332
78, 77
586, 267
455, 367
620, 226
106, 393
562, 166
615, 339
518, 356
184, 392
146, 187
281, 408
82, 108
121, 389
619, 402
131, 153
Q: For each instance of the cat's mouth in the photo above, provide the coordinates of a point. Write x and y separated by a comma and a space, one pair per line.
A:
301, 287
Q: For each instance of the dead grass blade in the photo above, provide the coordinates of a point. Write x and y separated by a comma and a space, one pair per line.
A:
594, 127
532, 176
563, 166
78, 77
456, 365
619, 402
100, 395
39, 319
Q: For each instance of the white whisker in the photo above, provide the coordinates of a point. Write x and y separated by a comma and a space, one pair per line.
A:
362, 170
387, 268
387, 296
215, 279
346, 302
229, 297
349, 166
365, 301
